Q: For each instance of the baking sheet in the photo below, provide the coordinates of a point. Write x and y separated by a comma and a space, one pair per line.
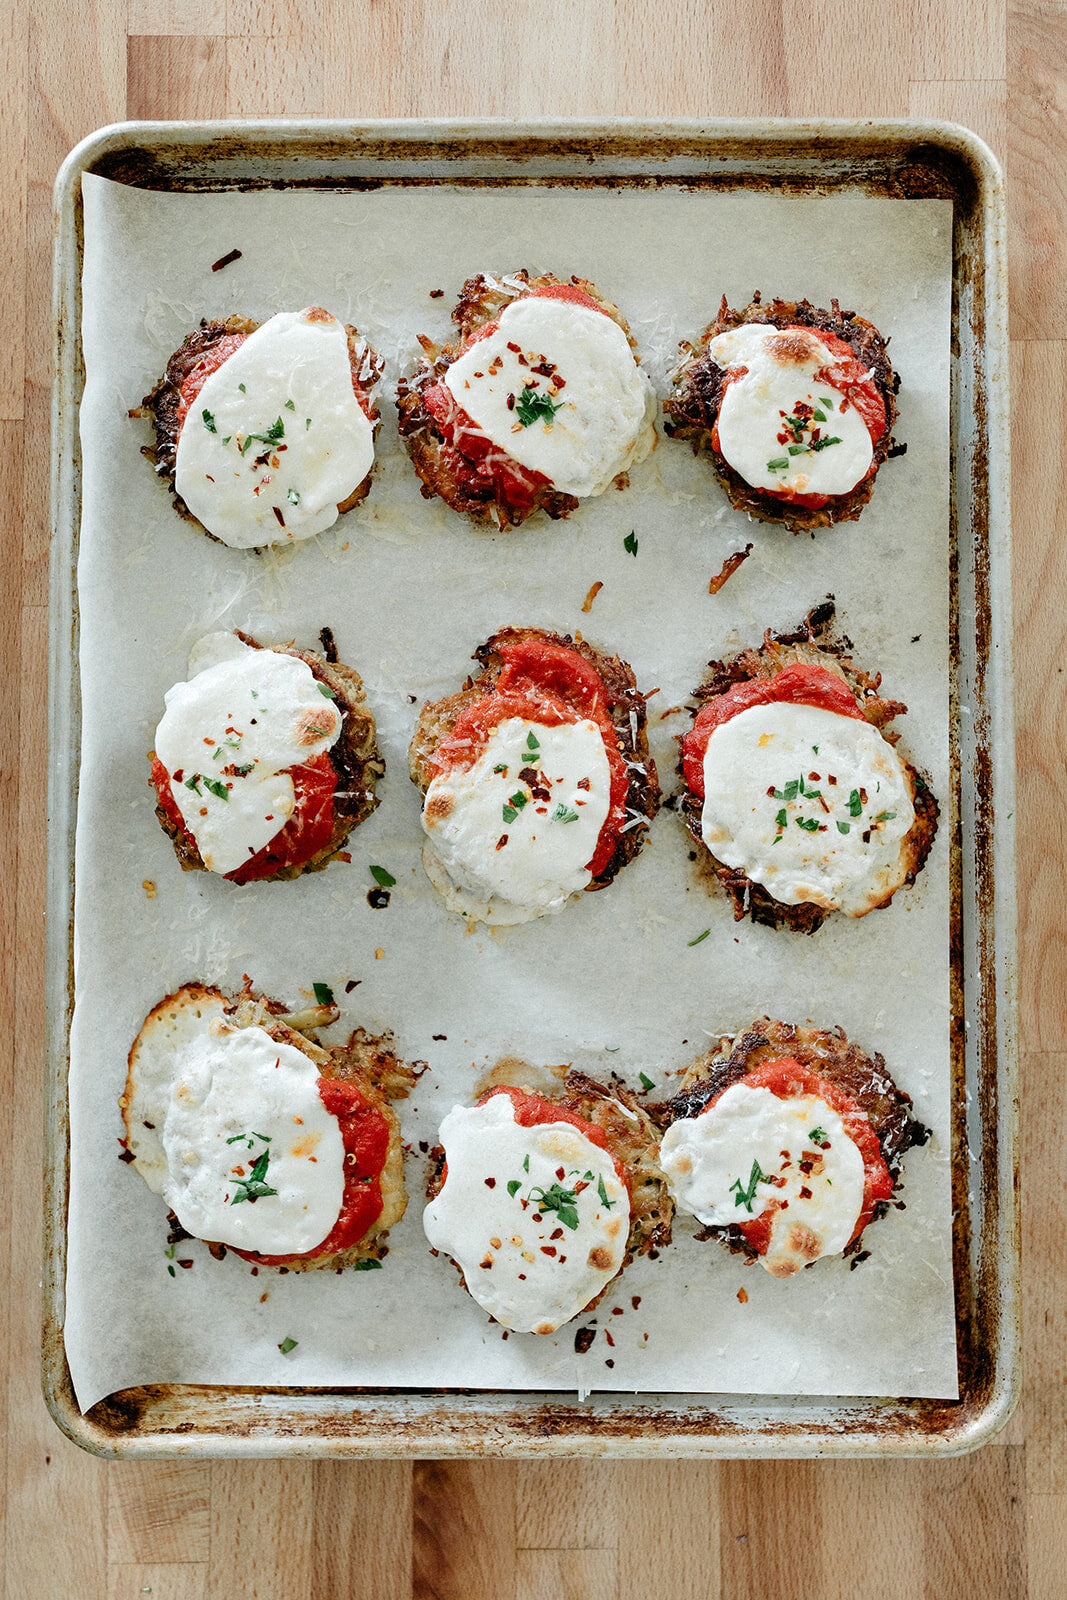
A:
409, 589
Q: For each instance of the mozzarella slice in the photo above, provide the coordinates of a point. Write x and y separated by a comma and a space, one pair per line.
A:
574, 363
227, 738
810, 804
754, 435
752, 1151
511, 836
533, 1247
276, 440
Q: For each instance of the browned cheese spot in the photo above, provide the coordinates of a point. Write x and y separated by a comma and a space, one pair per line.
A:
439, 806
600, 1258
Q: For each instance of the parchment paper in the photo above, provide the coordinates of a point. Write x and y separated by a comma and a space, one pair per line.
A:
615, 983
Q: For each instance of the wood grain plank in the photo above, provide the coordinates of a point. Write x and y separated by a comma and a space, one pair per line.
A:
566, 1575
1039, 384
566, 1505
183, 1580
77, 77
1046, 1546
362, 1532
196, 17
981, 105
261, 1522
972, 1528
669, 1528
175, 78
952, 45
761, 1553
1037, 191
13, 116
1044, 1124
843, 70
756, 84
158, 1511
278, 75
464, 1530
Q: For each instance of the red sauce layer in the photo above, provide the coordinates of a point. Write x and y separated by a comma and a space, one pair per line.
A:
548, 684
475, 462
533, 1110
308, 830
796, 685
851, 379
365, 1133
789, 1080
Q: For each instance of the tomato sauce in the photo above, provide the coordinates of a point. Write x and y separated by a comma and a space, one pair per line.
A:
548, 684
365, 1134
850, 378
789, 1080
533, 1111
476, 463
309, 828
797, 685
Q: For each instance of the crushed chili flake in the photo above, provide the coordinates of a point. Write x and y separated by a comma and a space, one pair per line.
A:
226, 260
583, 1340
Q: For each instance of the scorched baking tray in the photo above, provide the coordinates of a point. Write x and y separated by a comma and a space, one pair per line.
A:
902, 161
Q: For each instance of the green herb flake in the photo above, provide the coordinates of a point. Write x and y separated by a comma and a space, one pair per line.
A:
525, 1163
824, 444
564, 813
323, 994
532, 743
501, 767
824, 401
242, 388
171, 1270
817, 1135
885, 816
630, 543
855, 804
646, 1082
193, 783
514, 1185
699, 938
290, 405
745, 1196
255, 1186
380, 876
532, 406
288, 1344
809, 824
227, 439
603, 1193
790, 790
293, 497
209, 422
368, 1265
798, 449
323, 689
219, 790
518, 800
561, 1200
779, 464
307, 424
844, 827
782, 818
818, 416
509, 813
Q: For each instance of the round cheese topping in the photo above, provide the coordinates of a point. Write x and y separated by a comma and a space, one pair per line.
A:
228, 737
276, 440
557, 388
824, 447
536, 1218
252, 1157
752, 1151
812, 805
511, 835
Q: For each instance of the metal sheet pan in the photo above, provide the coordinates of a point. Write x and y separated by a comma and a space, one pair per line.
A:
902, 160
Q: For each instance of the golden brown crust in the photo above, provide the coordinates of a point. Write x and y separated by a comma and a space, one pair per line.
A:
693, 405
824, 1051
367, 1062
481, 301
626, 707
355, 758
812, 644
162, 403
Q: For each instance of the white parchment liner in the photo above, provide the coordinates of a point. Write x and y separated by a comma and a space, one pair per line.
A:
409, 589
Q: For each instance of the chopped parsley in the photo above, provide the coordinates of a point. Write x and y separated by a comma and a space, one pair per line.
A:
824, 444
533, 406
288, 1344
745, 1196
844, 827
323, 994
209, 422
382, 877
603, 1193
561, 1200
322, 688
255, 1186
237, 1137
516, 803
817, 1135
193, 783
646, 1082
630, 543
532, 744
855, 804
809, 824
779, 464
290, 405
514, 1185
293, 497
368, 1265
885, 816
699, 938
564, 813
219, 790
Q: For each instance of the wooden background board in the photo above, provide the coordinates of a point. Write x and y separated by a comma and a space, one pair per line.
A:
989, 1525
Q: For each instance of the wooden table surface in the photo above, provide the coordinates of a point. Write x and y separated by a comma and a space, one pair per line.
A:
990, 1525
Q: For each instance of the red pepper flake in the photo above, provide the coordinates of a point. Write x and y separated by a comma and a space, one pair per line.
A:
502, 841
185, 1263
609, 1363
435, 294
548, 1249
617, 1311
583, 1340
635, 1300
729, 567
490, 1183
742, 1295
226, 260
608, 1337
278, 513
353, 983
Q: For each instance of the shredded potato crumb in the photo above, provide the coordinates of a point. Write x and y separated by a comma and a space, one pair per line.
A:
742, 1295
149, 888
378, 954
587, 603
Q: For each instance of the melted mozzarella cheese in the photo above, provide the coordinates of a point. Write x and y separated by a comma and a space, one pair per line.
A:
276, 432
231, 732
221, 1098
531, 1265
604, 403
709, 1162
512, 834
810, 804
755, 437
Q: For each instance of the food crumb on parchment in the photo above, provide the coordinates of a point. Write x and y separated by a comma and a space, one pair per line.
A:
149, 888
